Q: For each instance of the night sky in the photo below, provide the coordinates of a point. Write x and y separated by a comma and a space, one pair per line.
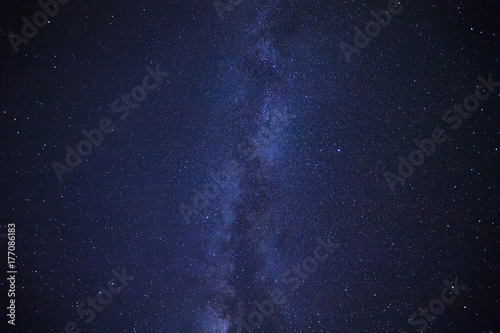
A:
265, 166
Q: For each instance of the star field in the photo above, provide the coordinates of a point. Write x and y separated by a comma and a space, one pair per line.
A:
251, 166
